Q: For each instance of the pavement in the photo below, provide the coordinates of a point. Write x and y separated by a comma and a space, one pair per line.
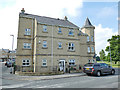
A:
6, 75
18, 77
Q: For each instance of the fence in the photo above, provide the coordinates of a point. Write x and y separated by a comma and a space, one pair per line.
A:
45, 69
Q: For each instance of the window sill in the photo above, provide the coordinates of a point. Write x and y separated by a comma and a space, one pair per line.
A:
45, 31
43, 66
71, 50
26, 35
91, 52
26, 49
44, 47
25, 65
90, 42
71, 35
59, 48
60, 33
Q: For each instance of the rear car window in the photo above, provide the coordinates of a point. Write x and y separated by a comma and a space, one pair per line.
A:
88, 64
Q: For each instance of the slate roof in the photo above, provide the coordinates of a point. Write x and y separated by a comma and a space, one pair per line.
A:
81, 33
87, 24
5, 50
50, 21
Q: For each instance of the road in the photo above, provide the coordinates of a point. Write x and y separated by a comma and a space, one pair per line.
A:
107, 81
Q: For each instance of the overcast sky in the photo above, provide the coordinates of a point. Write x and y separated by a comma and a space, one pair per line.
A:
103, 15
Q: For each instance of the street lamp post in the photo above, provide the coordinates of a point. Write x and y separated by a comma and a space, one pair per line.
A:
110, 56
12, 52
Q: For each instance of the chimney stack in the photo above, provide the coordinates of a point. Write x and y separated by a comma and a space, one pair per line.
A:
22, 11
65, 18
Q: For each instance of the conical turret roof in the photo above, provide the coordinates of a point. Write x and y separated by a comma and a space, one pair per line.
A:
88, 24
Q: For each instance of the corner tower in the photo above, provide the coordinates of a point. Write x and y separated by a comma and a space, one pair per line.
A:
88, 29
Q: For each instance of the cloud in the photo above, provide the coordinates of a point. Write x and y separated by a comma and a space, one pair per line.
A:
106, 12
9, 14
101, 37
52, 8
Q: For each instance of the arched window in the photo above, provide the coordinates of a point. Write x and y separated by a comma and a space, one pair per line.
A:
92, 39
88, 49
88, 39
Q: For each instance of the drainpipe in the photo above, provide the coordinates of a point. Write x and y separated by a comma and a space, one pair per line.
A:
32, 45
52, 51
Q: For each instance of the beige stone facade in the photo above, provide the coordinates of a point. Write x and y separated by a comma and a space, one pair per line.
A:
43, 46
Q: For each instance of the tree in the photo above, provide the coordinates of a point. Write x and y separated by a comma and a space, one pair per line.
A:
102, 54
114, 48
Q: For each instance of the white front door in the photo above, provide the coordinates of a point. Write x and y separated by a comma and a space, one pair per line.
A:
62, 65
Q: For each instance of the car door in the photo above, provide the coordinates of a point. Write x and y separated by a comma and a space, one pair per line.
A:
106, 68
103, 68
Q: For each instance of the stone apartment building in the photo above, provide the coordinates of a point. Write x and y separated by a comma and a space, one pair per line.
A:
46, 44
6, 54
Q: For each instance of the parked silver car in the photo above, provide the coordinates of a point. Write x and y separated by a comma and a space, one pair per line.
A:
98, 69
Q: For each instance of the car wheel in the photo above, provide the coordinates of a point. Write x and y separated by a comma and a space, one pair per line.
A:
112, 72
98, 73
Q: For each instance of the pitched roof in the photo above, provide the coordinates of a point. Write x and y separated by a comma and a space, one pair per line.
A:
5, 50
50, 21
87, 24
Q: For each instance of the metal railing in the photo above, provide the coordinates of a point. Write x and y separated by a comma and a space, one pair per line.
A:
68, 69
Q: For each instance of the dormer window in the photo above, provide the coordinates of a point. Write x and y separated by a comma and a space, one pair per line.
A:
44, 28
59, 30
71, 32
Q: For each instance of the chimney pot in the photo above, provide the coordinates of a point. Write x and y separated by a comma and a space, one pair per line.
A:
22, 11
65, 18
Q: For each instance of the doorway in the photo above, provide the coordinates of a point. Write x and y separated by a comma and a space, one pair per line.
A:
62, 65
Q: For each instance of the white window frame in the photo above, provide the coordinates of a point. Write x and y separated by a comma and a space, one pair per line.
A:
93, 61
44, 44
59, 44
88, 49
72, 61
71, 32
27, 31
45, 28
26, 62
92, 39
44, 61
59, 30
89, 61
92, 49
70, 46
27, 45
88, 39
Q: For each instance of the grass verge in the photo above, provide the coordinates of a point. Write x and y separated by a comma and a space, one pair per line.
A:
113, 65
